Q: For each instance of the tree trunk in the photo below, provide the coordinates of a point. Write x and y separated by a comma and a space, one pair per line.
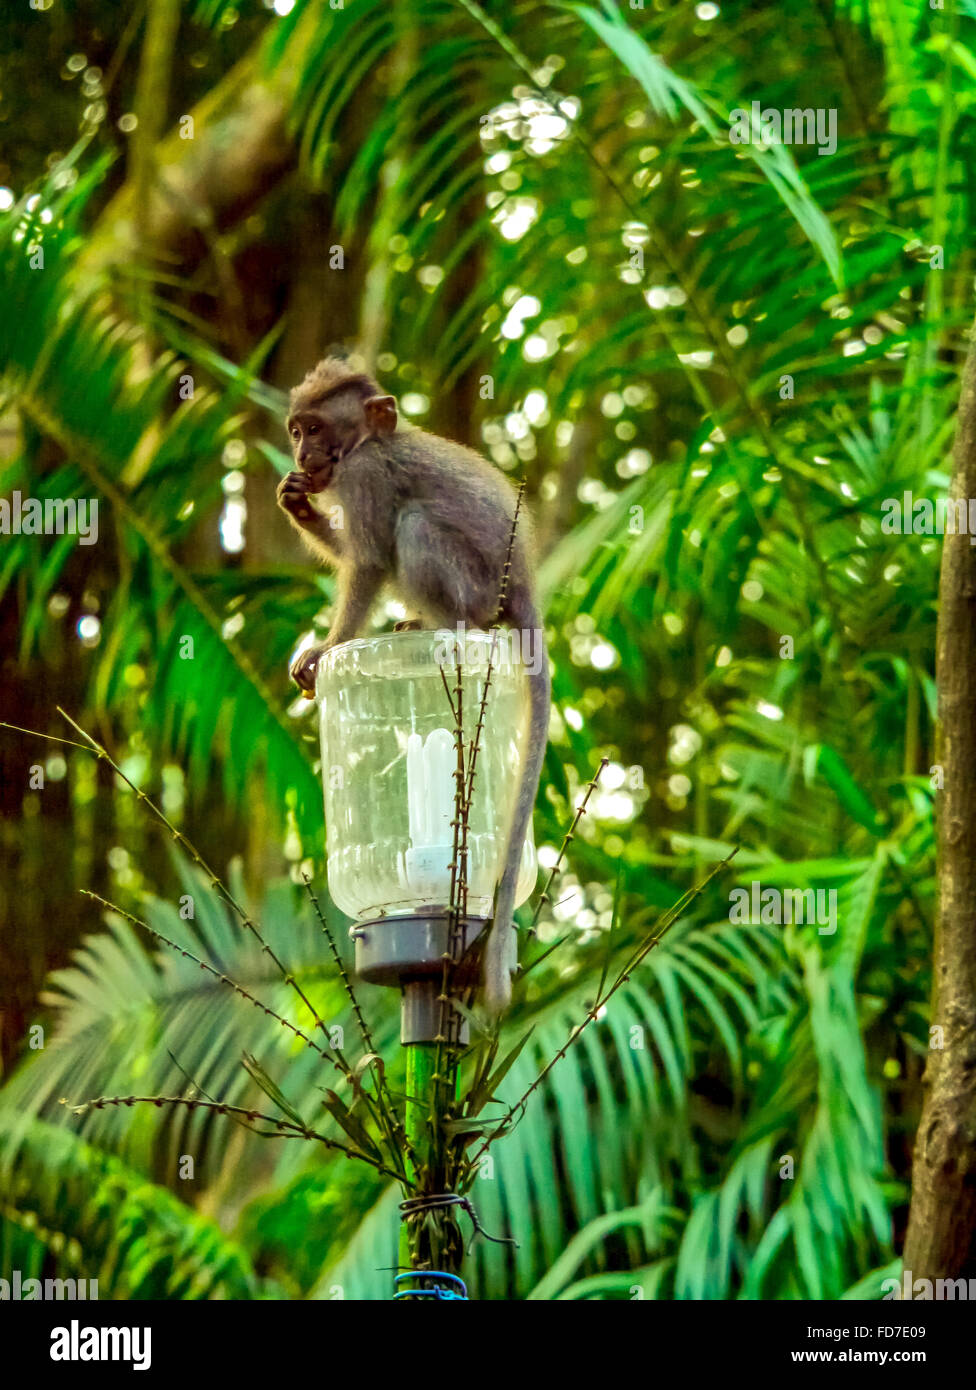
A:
941, 1239
221, 159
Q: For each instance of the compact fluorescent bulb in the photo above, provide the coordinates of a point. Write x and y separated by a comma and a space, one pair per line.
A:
430, 807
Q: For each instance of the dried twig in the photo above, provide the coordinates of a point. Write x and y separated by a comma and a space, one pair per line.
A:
92, 746
499, 610
567, 841
390, 1114
515, 1111
212, 970
282, 1129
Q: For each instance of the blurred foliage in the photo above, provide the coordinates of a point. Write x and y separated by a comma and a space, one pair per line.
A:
712, 363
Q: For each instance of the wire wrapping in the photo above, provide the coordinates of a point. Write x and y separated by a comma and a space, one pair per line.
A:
437, 1201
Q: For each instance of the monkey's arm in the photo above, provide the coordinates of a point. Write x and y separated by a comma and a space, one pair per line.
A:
358, 587
321, 532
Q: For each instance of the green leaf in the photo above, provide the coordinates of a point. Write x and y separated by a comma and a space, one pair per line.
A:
666, 92
505, 1066
820, 757
354, 1127
270, 1088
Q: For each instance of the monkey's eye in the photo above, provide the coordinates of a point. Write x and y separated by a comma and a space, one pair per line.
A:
295, 432
313, 429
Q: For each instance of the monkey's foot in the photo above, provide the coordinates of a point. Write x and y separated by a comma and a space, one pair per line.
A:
304, 668
409, 625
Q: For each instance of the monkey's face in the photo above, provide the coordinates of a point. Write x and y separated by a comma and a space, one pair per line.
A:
318, 443
323, 433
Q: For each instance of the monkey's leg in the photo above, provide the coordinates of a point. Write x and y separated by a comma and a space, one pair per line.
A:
439, 573
357, 589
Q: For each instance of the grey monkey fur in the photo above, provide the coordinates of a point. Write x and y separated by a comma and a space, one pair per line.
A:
384, 504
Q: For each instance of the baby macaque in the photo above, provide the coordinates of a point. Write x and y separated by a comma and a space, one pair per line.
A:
385, 505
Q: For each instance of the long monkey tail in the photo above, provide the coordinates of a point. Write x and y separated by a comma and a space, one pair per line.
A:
501, 950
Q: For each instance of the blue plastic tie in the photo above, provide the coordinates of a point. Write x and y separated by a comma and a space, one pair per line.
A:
454, 1290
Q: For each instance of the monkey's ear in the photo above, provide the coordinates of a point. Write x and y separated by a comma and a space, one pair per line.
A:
381, 414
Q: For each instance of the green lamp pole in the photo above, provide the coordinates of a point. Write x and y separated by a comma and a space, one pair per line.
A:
415, 843
425, 1244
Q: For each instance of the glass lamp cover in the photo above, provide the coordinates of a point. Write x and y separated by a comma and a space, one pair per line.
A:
388, 761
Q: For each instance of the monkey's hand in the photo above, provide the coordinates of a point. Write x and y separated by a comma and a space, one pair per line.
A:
305, 665
294, 491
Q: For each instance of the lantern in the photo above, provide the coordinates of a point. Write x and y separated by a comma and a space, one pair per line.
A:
388, 763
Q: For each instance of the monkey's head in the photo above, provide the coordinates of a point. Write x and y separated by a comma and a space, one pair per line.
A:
332, 412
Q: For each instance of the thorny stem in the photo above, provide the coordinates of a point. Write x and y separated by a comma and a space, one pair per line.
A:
447, 1049
211, 970
464, 778
391, 1116
48, 738
215, 882
445, 1069
343, 973
567, 841
384, 1114
384, 1122
283, 1129
194, 1084
553, 945
464, 808
502, 595
593, 1013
